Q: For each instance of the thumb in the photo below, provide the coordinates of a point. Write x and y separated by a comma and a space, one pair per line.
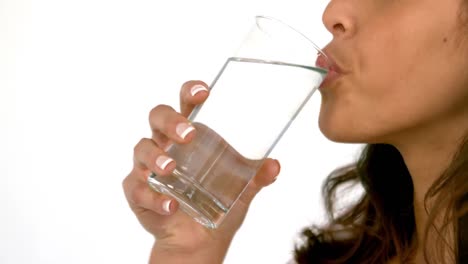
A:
265, 176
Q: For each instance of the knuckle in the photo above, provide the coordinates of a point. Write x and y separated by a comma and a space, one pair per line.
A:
136, 194
125, 183
127, 187
157, 110
144, 151
139, 147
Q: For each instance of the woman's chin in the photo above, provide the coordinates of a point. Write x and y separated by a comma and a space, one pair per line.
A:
339, 137
344, 133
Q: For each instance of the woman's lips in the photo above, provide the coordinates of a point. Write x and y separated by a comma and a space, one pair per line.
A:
327, 63
329, 79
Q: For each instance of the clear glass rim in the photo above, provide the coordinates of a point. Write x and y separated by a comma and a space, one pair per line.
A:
268, 18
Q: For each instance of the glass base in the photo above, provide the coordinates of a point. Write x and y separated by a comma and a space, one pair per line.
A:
193, 199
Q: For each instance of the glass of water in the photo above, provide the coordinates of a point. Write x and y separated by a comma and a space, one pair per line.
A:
253, 100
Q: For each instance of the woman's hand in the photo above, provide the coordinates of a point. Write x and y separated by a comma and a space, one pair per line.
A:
179, 239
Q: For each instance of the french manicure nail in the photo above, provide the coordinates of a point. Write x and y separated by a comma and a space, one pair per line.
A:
162, 161
183, 129
197, 88
167, 206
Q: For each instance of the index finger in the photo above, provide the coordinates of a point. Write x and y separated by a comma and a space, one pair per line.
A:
192, 94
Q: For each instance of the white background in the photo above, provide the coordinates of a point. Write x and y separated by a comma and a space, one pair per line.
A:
77, 80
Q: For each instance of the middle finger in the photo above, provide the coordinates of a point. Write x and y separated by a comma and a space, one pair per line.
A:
148, 157
168, 125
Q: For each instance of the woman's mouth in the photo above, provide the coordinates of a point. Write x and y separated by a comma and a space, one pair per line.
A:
324, 61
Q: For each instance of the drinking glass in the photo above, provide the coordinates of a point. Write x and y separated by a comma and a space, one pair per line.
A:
253, 100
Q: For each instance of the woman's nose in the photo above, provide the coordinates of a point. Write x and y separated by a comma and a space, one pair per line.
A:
338, 18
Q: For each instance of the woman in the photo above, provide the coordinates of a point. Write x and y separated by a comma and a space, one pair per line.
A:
400, 84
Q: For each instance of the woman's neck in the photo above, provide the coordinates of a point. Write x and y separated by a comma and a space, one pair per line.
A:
426, 165
427, 155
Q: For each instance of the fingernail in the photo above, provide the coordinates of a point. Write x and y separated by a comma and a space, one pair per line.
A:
167, 206
162, 162
183, 129
197, 88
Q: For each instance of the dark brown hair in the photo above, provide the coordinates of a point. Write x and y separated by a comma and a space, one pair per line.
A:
381, 224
